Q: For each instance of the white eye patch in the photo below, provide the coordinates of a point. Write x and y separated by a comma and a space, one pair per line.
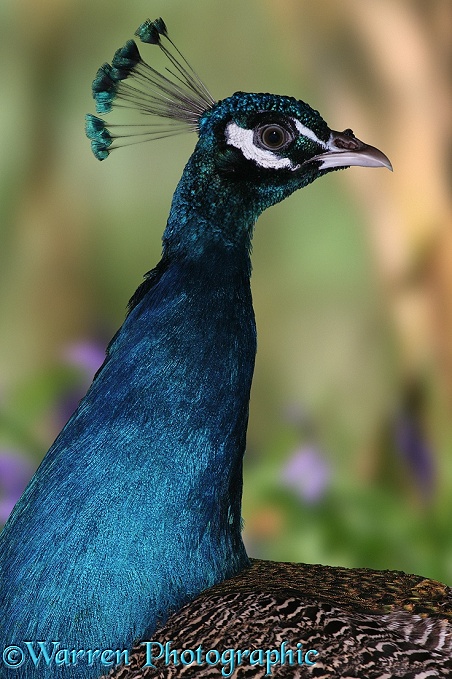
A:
243, 140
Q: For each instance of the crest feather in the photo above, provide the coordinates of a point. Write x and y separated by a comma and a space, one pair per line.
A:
180, 97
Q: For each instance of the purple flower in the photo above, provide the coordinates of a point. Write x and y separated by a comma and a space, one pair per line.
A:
88, 355
15, 472
415, 449
307, 473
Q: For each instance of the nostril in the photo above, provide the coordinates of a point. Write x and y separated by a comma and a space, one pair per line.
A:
347, 142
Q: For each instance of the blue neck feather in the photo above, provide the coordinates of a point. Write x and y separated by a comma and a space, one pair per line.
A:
210, 213
136, 507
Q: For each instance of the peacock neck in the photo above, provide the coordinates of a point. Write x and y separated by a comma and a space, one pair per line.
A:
145, 481
208, 214
194, 340
142, 502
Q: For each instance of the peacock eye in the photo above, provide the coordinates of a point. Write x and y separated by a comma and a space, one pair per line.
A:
272, 137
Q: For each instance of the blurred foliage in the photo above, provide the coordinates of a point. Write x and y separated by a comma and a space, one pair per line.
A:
352, 276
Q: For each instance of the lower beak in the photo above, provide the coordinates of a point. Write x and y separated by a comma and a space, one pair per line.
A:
344, 149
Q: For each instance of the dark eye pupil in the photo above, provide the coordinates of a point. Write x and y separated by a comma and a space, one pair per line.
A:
273, 137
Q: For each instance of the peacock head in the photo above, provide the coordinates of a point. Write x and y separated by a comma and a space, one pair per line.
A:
275, 144
268, 145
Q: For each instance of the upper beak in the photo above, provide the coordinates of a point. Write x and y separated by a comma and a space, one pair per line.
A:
344, 149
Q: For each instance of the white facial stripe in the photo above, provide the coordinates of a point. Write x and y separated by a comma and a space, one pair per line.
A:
336, 157
244, 141
307, 132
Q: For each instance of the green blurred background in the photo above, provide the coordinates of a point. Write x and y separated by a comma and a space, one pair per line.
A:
350, 439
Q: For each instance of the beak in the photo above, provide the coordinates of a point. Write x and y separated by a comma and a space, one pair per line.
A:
344, 149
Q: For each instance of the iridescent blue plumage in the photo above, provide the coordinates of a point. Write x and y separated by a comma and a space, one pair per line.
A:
104, 89
136, 507
124, 60
101, 138
150, 31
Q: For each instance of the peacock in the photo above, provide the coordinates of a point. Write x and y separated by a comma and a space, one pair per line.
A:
130, 530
